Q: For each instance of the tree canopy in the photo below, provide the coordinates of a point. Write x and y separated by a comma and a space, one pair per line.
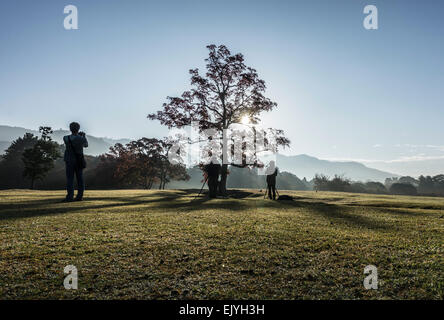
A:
142, 163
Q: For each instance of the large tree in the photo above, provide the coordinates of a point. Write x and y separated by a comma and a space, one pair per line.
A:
228, 92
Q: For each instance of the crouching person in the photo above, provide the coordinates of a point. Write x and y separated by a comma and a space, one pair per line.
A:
74, 161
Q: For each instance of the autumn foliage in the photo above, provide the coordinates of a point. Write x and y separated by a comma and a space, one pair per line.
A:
142, 163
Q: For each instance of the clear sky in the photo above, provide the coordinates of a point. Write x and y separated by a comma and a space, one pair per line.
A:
343, 92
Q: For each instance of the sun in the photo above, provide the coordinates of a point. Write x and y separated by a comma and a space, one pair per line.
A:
245, 120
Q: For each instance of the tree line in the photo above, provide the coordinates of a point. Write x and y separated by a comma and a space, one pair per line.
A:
143, 163
424, 185
32, 161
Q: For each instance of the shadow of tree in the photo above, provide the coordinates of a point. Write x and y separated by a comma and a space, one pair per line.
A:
242, 194
186, 201
336, 213
55, 206
181, 200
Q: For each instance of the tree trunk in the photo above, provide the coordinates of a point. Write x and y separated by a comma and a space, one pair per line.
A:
224, 168
32, 183
162, 178
223, 180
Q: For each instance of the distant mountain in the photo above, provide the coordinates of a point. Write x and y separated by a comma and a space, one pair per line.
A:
306, 166
96, 146
416, 168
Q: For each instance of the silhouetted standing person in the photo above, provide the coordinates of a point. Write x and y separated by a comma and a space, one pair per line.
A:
74, 161
213, 170
272, 172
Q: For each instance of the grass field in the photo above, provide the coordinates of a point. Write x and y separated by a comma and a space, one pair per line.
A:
160, 245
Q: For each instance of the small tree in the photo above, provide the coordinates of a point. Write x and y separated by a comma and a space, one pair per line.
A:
136, 162
11, 164
408, 179
144, 162
403, 189
167, 170
39, 159
431, 185
320, 182
375, 187
337, 183
426, 185
104, 176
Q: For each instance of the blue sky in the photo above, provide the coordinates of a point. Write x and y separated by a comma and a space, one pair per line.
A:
343, 92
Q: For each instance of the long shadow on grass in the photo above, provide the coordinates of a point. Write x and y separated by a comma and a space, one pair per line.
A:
182, 201
45, 207
25, 204
203, 204
402, 213
335, 213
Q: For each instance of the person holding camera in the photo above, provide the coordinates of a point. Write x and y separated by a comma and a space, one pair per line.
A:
74, 161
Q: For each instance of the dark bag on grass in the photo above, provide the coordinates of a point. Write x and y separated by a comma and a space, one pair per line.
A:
80, 158
285, 197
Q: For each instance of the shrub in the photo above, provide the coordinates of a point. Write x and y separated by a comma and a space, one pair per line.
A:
403, 189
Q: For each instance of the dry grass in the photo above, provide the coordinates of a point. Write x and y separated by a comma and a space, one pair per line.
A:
160, 245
